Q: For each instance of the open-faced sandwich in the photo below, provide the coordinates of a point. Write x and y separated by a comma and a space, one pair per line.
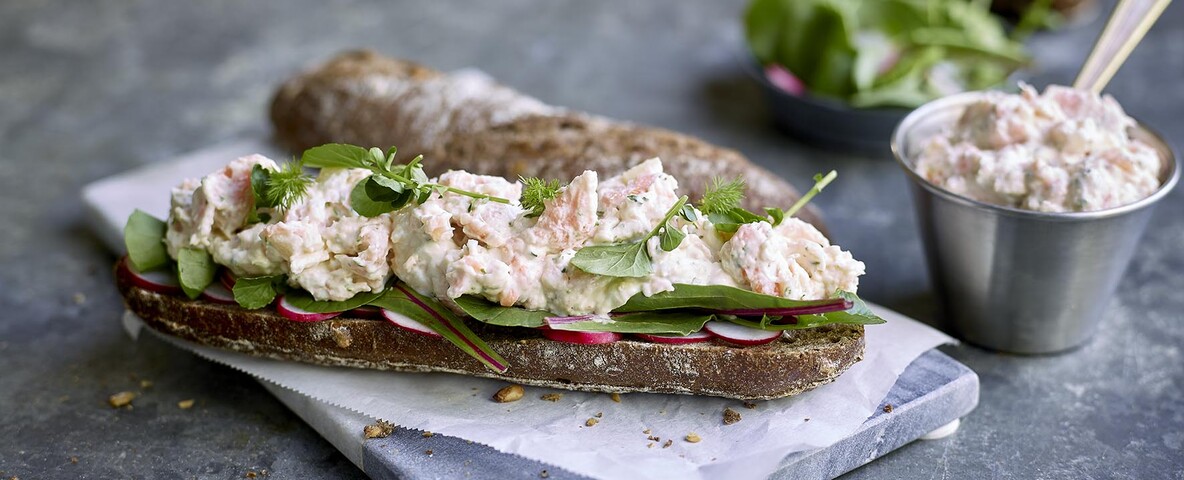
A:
615, 285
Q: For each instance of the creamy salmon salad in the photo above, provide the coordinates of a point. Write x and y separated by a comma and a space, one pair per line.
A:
450, 245
1063, 150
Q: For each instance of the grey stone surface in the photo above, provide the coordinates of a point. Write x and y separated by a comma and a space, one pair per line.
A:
88, 89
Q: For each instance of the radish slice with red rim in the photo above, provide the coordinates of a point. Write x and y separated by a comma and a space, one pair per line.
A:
407, 323
290, 312
674, 339
227, 279
156, 281
366, 311
584, 338
741, 335
218, 293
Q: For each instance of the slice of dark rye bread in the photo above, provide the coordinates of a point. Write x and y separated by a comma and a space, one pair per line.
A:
799, 361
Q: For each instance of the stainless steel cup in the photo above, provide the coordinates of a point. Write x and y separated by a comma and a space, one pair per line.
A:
1016, 280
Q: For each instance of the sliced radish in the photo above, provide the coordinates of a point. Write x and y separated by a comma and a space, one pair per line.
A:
584, 338
290, 312
156, 281
367, 311
785, 80
218, 293
741, 335
227, 279
700, 336
407, 323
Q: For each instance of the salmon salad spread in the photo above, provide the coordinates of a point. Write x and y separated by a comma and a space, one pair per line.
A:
1065, 150
449, 245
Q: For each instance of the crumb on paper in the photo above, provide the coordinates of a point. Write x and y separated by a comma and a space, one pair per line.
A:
888, 408
428, 434
552, 397
650, 445
382, 429
668, 444
429, 452
654, 438
511, 393
806, 420
145, 384
750, 405
121, 399
185, 404
616, 397
591, 422
544, 474
731, 416
693, 437
646, 431
599, 415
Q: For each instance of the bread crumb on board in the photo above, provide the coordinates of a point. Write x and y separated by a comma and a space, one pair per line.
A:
186, 404
552, 397
382, 429
511, 393
121, 399
591, 422
428, 434
693, 437
731, 416
888, 408
616, 397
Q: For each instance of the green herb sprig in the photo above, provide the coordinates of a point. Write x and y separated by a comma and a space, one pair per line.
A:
276, 189
721, 203
633, 259
536, 192
390, 186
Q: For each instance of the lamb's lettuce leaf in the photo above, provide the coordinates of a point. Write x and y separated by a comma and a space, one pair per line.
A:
195, 269
304, 301
488, 312
144, 238
257, 292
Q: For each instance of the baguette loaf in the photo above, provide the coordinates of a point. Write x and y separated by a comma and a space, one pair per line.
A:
466, 121
797, 362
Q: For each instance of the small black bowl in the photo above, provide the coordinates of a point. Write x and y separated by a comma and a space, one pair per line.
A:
830, 123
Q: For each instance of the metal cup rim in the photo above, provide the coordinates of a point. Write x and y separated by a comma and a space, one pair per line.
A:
1172, 177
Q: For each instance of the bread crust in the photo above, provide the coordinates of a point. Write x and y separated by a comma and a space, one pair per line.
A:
799, 361
363, 98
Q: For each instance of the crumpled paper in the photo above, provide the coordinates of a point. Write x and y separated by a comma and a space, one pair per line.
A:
617, 446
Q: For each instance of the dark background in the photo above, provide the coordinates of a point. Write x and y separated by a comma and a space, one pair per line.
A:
89, 89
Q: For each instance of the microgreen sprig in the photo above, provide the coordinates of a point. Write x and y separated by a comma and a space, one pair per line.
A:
390, 186
721, 203
633, 259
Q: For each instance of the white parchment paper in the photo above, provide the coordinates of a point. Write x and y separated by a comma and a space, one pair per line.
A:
555, 432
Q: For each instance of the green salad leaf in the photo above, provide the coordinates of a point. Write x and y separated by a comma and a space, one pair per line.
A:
488, 312
632, 259
195, 269
144, 238
858, 314
257, 292
303, 300
406, 301
710, 297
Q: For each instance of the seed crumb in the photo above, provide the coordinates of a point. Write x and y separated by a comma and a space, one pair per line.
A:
185, 404
74, 460
428, 434
145, 384
429, 452
251, 474
654, 438
616, 397
591, 422
650, 445
731, 416
382, 429
888, 408
750, 405
121, 399
668, 444
806, 420
544, 474
511, 393
552, 397
693, 437
646, 431
599, 415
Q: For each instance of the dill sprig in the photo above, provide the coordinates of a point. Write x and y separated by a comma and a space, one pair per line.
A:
286, 185
722, 196
536, 192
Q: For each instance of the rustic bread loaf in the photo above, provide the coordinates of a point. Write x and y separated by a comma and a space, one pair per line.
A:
465, 120
799, 361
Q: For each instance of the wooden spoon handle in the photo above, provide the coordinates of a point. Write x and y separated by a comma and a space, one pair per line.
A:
1128, 23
